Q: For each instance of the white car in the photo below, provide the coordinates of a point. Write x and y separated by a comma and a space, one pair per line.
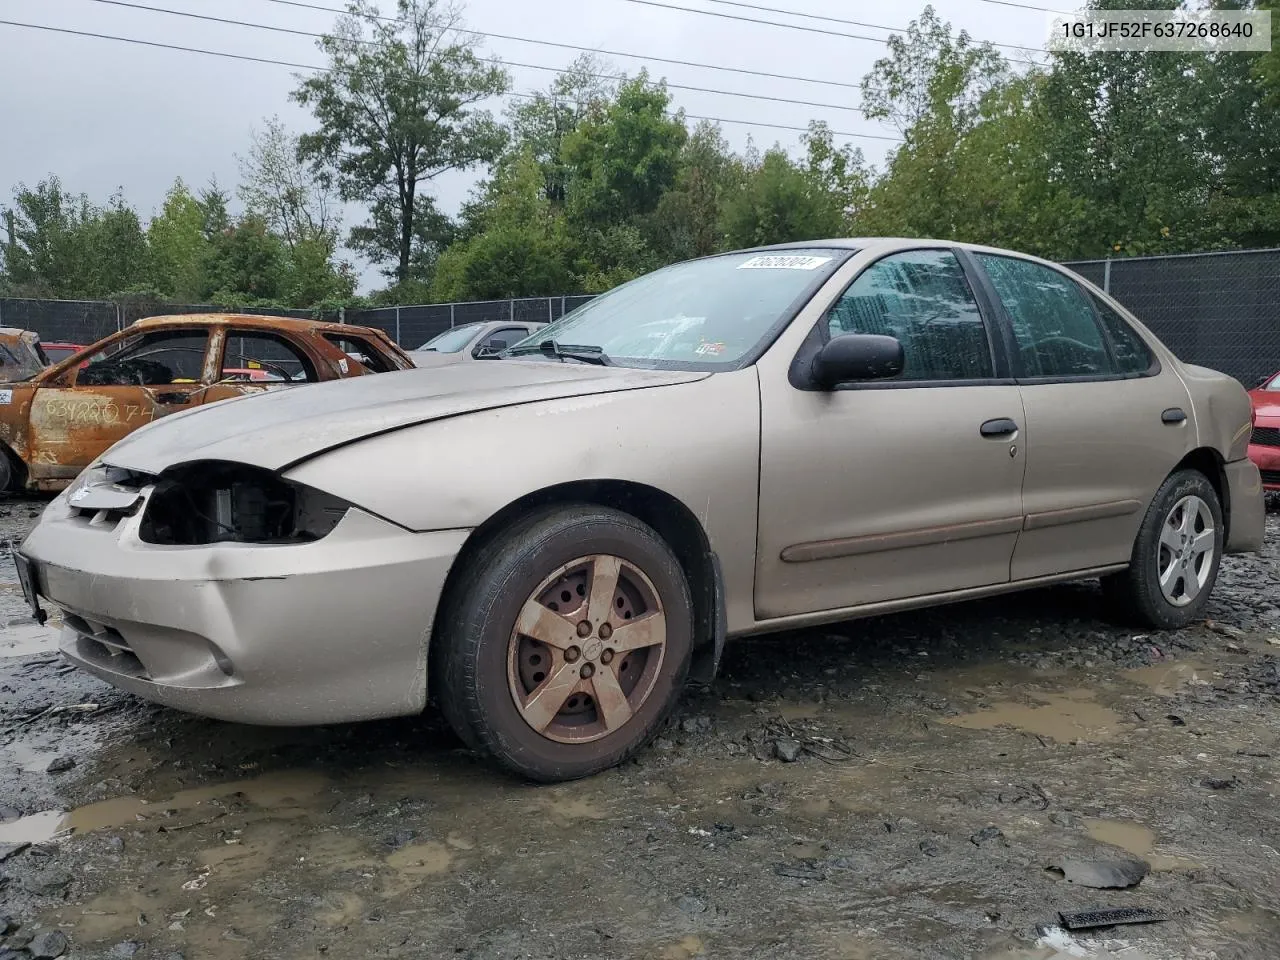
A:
471, 341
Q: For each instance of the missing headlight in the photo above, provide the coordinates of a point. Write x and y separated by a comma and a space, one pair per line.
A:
217, 502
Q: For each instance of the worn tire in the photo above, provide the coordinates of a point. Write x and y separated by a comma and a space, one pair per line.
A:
473, 639
1135, 593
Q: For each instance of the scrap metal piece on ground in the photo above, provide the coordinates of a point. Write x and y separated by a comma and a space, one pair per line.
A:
1105, 874
1107, 917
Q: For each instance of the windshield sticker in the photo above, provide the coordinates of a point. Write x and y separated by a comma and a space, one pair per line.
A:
784, 263
709, 349
6, 396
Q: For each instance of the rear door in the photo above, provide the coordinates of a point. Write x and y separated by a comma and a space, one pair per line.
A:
254, 360
1102, 418
134, 378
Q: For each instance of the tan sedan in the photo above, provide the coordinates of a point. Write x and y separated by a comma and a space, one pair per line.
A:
551, 545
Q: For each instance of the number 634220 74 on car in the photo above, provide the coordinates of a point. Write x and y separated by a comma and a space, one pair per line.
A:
551, 544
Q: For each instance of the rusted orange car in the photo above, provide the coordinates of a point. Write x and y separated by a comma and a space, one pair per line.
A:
55, 421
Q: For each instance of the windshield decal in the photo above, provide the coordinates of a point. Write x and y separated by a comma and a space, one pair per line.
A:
784, 263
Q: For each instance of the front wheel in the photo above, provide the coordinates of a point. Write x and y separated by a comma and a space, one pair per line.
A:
1175, 556
567, 644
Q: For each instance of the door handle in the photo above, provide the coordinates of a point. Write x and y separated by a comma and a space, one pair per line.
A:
172, 398
1000, 427
1173, 415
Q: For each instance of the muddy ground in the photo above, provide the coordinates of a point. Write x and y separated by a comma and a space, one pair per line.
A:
946, 761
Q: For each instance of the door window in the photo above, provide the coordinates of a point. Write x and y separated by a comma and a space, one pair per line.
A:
922, 298
153, 358
362, 352
252, 356
1052, 320
1133, 356
499, 340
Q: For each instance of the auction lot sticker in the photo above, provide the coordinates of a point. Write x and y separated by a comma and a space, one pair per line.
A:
784, 263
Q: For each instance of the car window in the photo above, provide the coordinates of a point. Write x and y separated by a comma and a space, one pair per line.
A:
155, 357
922, 298
1132, 354
1052, 321
362, 352
1274, 383
500, 339
259, 357
452, 340
707, 314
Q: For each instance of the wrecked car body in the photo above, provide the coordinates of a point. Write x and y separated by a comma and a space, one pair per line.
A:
743, 443
54, 421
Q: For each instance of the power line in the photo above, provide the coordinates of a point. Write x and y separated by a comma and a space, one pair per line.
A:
307, 66
785, 26
513, 63
828, 19
1025, 6
581, 49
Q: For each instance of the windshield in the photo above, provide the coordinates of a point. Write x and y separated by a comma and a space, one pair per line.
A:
451, 341
704, 314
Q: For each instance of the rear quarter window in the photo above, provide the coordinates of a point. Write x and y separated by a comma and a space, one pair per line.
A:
1133, 356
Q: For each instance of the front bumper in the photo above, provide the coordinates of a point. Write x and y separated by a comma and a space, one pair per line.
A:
1248, 508
328, 631
1268, 461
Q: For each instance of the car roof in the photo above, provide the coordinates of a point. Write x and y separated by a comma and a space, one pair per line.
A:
260, 321
889, 244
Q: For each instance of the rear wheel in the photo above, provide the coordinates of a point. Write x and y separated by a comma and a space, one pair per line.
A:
568, 643
1175, 556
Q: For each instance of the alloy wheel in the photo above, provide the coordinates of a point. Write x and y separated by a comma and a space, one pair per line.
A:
1185, 554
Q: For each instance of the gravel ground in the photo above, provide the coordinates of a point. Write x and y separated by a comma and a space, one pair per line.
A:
913, 786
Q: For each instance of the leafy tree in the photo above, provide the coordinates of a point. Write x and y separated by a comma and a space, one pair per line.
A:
245, 263
518, 247
687, 222
178, 242
396, 108
283, 191
780, 202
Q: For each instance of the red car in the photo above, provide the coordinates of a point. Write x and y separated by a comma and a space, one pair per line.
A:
57, 352
1264, 445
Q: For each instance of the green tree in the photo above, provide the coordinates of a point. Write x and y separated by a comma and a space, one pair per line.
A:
780, 202
687, 222
397, 108
178, 242
283, 191
245, 264
517, 246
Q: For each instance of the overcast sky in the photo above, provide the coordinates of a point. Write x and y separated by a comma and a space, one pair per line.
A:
105, 115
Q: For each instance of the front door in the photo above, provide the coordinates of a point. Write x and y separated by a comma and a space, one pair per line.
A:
135, 378
894, 489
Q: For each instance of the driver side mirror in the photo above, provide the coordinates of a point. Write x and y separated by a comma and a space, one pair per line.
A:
857, 356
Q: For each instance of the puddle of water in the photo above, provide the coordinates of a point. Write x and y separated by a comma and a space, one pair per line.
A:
285, 790
1166, 679
686, 949
281, 793
421, 859
1138, 840
37, 828
1128, 836
28, 639
28, 758
1060, 716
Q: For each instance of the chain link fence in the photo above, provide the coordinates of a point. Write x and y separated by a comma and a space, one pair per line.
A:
412, 326
1219, 310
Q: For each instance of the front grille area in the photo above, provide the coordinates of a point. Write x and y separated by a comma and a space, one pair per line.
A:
1266, 436
104, 645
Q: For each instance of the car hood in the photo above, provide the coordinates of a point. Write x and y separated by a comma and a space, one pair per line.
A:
432, 358
280, 428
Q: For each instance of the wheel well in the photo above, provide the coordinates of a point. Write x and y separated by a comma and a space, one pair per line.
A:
17, 469
674, 522
1208, 461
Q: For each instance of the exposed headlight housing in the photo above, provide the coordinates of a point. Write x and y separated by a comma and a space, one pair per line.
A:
214, 501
